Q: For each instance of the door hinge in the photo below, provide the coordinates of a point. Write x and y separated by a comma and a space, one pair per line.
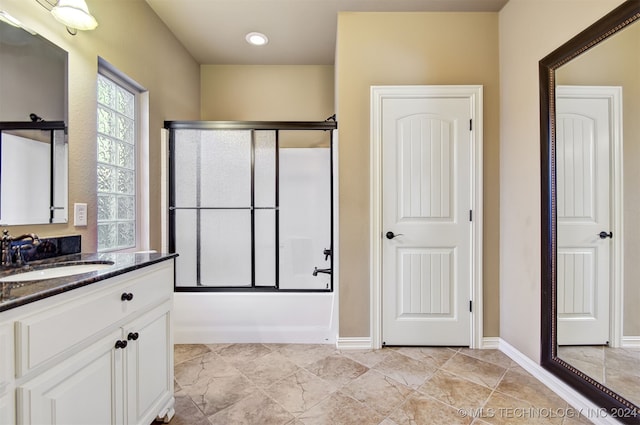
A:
470, 306
471, 125
470, 215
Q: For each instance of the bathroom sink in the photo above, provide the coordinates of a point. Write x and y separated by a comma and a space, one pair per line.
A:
57, 270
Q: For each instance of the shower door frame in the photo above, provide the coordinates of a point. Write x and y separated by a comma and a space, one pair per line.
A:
252, 126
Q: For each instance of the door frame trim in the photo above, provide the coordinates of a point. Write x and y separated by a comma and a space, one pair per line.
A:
616, 290
378, 93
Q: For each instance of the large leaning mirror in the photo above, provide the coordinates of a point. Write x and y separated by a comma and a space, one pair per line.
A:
590, 158
33, 116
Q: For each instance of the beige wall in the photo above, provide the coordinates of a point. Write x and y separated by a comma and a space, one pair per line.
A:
267, 92
398, 49
133, 39
529, 30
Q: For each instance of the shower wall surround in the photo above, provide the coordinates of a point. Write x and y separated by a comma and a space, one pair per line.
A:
305, 217
247, 214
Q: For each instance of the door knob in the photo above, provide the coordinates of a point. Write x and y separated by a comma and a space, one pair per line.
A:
391, 235
605, 235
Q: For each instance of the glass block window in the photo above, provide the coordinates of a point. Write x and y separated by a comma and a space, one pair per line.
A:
116, 166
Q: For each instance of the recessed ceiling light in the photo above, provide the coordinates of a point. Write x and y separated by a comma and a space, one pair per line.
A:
256, 38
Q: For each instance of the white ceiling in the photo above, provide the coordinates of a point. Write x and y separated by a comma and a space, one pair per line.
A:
301, 32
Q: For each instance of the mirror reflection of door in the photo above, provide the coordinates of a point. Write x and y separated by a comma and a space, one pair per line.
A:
586, 132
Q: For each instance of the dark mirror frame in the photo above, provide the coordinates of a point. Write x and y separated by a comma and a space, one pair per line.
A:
618, 19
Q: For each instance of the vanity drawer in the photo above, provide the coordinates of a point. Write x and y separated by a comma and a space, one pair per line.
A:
65, 327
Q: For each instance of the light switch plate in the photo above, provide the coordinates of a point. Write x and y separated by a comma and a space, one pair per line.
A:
79, 214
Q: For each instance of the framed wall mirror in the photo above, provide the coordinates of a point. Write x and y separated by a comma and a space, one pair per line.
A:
590, 173
33, 173
33, 133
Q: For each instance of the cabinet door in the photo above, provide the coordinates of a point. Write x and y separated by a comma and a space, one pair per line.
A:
149, 366
7, 406
84, 389
7, 390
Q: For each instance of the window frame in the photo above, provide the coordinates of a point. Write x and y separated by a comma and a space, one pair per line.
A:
141, 149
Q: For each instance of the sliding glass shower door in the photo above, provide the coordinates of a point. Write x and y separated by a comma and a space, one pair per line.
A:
247, 214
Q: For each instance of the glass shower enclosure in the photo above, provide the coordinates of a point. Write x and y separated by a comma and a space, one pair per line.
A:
251, 205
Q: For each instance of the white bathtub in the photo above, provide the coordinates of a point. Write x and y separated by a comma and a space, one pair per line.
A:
285, 317
228, 317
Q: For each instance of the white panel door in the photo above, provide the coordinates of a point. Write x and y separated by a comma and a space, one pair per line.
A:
426, 194
583, 158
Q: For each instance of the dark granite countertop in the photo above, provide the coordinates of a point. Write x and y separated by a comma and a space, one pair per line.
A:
15, 294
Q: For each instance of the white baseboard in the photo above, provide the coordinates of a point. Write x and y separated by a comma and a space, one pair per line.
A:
630, 341
354, 343
490, 343
571, 396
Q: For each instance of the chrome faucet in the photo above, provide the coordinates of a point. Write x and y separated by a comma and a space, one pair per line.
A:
6, 247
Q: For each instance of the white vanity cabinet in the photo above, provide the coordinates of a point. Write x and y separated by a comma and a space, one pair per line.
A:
101, 354
7, 389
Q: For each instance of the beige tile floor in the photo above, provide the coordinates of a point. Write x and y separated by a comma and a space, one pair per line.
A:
294, 384
617, 368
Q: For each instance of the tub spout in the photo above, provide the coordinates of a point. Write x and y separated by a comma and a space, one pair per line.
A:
317, 270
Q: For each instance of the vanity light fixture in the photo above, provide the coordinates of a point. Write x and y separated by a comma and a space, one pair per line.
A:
74, 14
256, 39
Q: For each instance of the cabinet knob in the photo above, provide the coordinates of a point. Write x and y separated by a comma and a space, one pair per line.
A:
133, 336
126, 296
121, 344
